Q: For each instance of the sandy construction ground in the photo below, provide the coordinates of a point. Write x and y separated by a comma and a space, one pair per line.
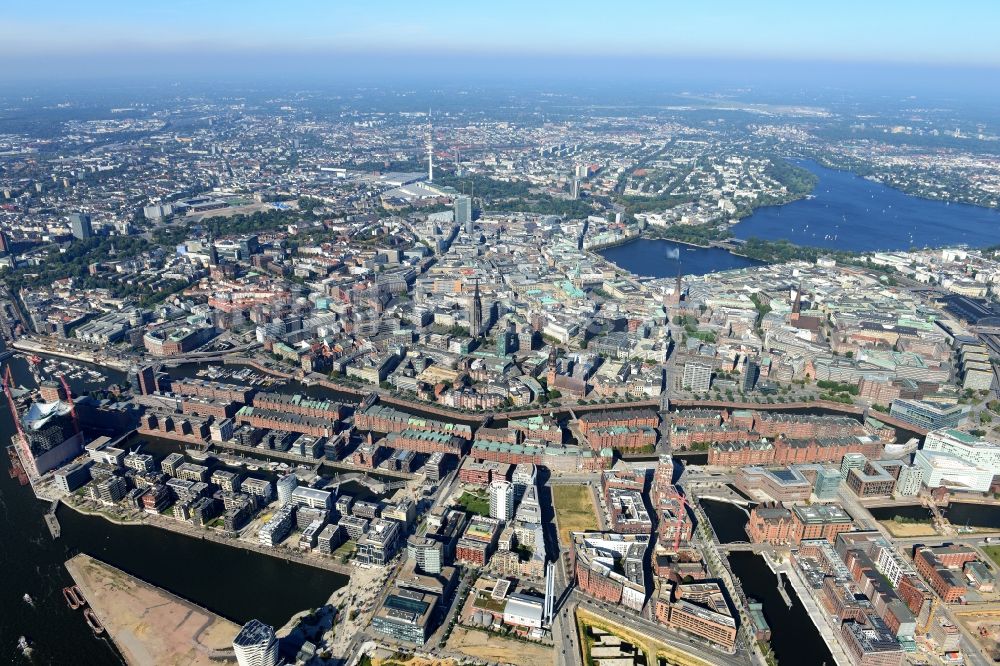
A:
149, 625
498, 649
908, 529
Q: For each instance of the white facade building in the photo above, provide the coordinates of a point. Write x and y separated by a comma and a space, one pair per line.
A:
944, 469
962, 445
502, 500
256, 645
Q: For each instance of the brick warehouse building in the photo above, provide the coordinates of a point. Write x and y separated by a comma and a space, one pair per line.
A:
778, 525
387, 419
214, 390
629, 418
794, 426
299, 404
792, 451
272, 420
941, 568
425, 441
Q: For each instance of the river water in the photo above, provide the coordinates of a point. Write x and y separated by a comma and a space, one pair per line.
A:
235, 583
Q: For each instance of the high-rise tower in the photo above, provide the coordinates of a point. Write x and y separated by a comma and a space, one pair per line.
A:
476, 313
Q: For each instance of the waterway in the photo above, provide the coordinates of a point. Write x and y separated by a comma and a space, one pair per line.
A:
662, 258
961, 514
794, 638
907, 512
235, 583
848, 212
729, 520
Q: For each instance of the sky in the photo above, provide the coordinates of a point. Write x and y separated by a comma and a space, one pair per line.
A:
111, 35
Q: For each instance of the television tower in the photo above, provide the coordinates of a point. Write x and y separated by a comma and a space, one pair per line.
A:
430, 148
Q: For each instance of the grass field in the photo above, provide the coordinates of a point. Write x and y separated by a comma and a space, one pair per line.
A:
475, 503
994, 553
575, 511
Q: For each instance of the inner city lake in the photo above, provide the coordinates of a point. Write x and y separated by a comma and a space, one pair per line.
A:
844, 212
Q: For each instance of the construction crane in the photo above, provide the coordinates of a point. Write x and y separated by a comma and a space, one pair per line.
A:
22, 440
72, 405
681, 518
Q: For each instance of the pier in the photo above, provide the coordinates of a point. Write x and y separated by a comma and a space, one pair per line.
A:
51, 521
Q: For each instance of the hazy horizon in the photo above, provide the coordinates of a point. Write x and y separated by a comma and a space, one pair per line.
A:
901, 46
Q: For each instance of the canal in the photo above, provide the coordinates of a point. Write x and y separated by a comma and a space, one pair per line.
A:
962, 514
728, 520
235, 583
794, 637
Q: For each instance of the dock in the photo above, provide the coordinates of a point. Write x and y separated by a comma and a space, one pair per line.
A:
782, 591
148, 624
51, 521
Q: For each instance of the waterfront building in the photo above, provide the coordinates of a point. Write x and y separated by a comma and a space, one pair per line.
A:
782, 484
911, 478
140, 462
110, 490
928, 415
72, 476
966, 447
170, 464
50, 437
100, 451
502, 500
256, 645
354, 526
948, 471
277, 526
286, 485
192, 472
425, 441
697, 608
778, 525
329, 539
261, 489
226, 480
